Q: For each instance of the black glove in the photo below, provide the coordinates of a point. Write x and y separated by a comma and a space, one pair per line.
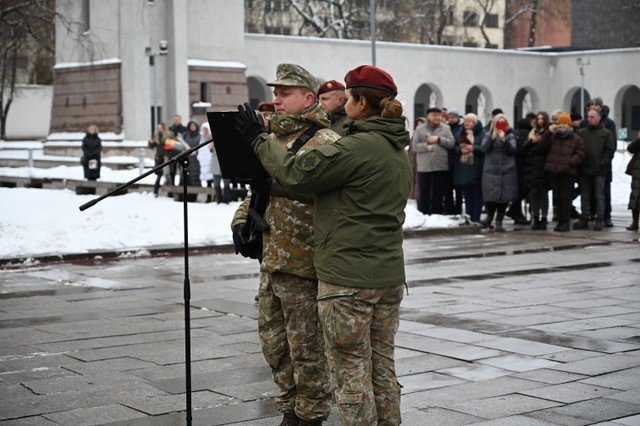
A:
248, 123
239, 242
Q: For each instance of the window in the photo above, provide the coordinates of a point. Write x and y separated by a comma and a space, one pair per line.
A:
470, 44
204, 93
277, 30
276, 6
469, 19
451, 17
492, 20
491, 46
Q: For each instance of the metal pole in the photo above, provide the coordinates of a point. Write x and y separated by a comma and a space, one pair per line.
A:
155, 96
373, 31
581, 89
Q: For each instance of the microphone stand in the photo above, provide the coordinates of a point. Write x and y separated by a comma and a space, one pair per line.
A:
183, 160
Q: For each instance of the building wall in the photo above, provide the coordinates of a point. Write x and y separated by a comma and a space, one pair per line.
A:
30, 112
597, 24
553, 25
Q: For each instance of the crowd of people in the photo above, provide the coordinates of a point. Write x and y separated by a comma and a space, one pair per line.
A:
502, 167
203, 164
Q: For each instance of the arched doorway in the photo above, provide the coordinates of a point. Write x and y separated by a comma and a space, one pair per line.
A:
572, 100
526, 101
258, 91
427, 96
627, 110
479, 102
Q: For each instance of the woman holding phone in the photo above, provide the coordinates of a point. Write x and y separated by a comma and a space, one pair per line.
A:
499, 177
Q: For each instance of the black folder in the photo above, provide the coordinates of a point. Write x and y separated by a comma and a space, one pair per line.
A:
237, 159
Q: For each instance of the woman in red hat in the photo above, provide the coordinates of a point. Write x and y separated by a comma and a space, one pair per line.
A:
360, 184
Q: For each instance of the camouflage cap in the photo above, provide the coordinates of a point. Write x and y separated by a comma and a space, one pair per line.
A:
294, 75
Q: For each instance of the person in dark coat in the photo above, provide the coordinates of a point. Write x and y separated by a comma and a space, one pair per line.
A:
535, 178
634, 196
452, 194
522, 129
192, 138
177, 128
499, 179
91, 149
467, 167
157, 143
565, 154
599, 151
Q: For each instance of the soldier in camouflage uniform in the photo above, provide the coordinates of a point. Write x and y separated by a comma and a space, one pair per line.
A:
332, 98
360, 185
288, 323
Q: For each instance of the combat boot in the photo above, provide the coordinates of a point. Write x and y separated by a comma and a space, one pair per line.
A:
290, 419
582, 223
563, 226
635, 215
599, 225
536, 224
543, 224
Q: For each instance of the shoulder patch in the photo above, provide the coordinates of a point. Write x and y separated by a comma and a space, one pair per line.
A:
310, 161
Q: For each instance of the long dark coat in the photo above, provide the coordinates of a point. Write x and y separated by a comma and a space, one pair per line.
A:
91, 149
634, 197
499, 177
534, 174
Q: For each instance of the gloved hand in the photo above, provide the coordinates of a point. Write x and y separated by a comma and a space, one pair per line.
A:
249, 123
239, 243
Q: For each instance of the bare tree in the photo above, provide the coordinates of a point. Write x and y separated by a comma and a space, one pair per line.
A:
533, 10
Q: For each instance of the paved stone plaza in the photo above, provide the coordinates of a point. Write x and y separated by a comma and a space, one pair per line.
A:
520, 328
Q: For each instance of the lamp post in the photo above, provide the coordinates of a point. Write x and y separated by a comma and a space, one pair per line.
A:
163, 51
373, 31
582, 63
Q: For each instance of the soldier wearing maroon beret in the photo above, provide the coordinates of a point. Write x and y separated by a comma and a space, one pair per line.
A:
332, 98
360, 185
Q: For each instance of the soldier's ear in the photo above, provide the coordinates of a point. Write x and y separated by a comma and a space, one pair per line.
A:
310, 99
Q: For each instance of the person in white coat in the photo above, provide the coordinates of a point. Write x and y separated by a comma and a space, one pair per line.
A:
204, 158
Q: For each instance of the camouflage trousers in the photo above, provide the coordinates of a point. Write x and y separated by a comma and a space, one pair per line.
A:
291, 339
359, 327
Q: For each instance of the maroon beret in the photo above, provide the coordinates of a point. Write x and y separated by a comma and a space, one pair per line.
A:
330, 86
372, 77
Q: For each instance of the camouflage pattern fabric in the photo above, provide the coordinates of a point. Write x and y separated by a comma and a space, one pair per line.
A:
291, 338
295, 75
289, 246
359, 327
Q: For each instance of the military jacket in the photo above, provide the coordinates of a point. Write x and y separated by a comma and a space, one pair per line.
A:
361, 185
339, 121
288, 247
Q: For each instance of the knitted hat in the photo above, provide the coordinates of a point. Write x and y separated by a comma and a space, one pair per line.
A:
372, 77
330, 86
563, 118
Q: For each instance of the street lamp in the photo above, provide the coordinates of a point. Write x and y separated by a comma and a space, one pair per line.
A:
372, 11
163, 51
582, 62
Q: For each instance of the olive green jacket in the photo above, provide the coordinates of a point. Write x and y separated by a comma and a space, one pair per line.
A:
339, 121
361, 184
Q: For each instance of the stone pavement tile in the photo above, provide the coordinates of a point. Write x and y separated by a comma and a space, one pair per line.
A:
424, 381
20, 336
569, 392
10, 351
602, 311
441, 347
632, 395
95, 415
423, 363
573, 341
520, 346
518, 362
110, 366
454, 334
247, 347
622, 380
474, 372
232, 325
158, 352
502, 406
514, 421
215, 380
109, 327
38, 360
613, 333
412, 326
468, 391
38, 373
572, 355
31, 420
163, 404
581, 325
598, 410
544, 375
248, 391
594, 302
530, 320
557, 419
436, 416
526, 310
599, 365
401, 353
629, 421
248, 310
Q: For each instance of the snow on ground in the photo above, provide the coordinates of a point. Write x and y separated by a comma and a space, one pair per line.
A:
42, 221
